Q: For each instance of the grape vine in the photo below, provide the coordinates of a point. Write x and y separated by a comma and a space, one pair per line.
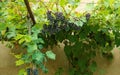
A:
84, 35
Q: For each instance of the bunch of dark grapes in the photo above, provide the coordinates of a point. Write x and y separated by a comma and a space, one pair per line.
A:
59, 16
49, 16
50, 29
53, 26
87, 16
35, 72
74, 26
32, 71
58, 23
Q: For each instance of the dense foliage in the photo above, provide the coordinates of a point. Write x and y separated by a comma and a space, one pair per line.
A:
84, 35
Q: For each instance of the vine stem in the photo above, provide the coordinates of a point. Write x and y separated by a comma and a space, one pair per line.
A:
30, 11
44, 5
57, 5
33, 20
64, 10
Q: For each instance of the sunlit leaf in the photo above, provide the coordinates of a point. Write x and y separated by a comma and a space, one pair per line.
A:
19, 62
50, 55
22, 72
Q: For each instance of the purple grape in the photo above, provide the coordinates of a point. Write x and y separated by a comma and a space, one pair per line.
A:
49, 16
35, 72
29, 71
45, 26
59, 16
87, 16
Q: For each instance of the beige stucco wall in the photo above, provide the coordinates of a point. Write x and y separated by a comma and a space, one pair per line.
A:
7, 62
105, 67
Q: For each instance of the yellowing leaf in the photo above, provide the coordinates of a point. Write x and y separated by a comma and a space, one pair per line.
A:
22, 72
19, 36
18, 56
19, 62
3, 32
21, 41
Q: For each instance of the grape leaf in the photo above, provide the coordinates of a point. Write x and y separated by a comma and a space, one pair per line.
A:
50, 55
22, 72
93, 66
19, 62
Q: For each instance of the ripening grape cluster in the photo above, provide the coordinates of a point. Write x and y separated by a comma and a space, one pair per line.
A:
57, 22
32, 71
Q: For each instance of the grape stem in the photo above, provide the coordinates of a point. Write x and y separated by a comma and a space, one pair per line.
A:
44, 4
57, 1
64, 10
30, 11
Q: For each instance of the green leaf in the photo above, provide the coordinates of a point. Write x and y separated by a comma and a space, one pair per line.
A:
59, 71
72, 38
82, 64
72, 71
79, 23
2, 26
36, 29
117, 38
44, 69
21, 41
38, 56
11, 35
22, 72
63, 2
51, 55
19, 62
40, 47
24, 38
19, 36
60, 36
31, 47
74, 3
93, 66
83, 19
41, 40
27, 38
26, 58
18, 56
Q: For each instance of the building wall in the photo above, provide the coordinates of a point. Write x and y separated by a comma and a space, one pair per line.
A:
7, 62
105, 67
